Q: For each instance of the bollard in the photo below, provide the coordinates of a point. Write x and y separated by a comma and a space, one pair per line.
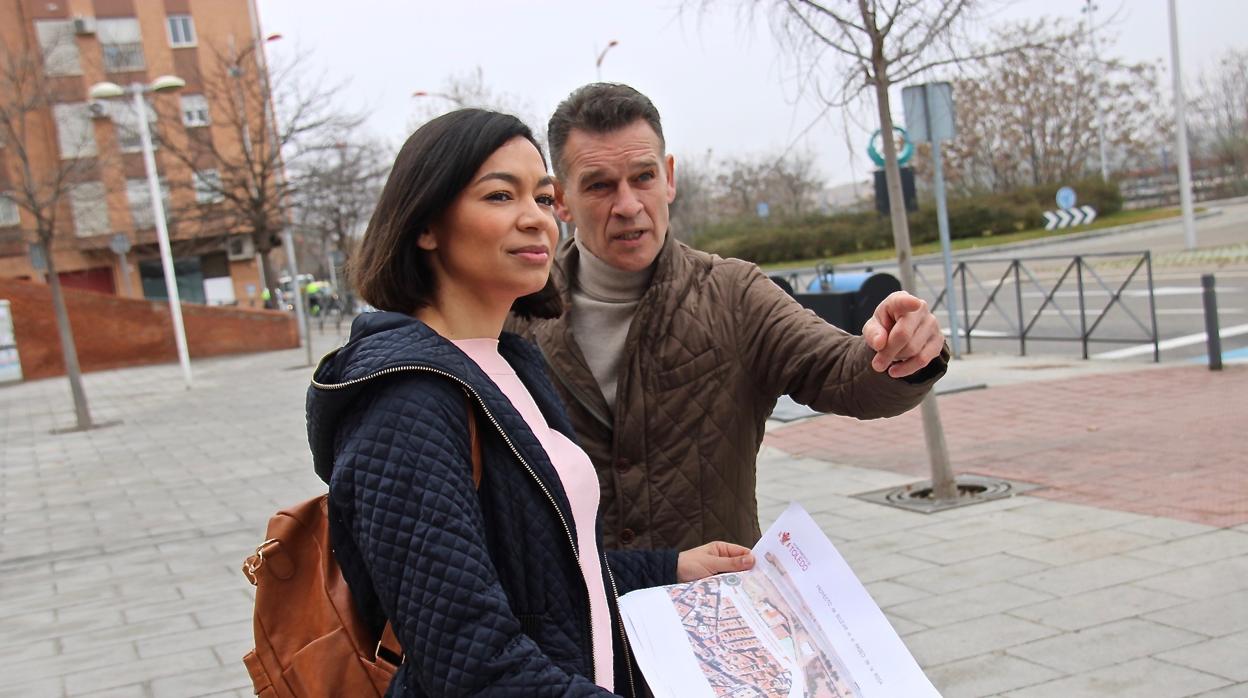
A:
1213, 339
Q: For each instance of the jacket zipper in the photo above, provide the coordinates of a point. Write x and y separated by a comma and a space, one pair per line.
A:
628, 654
566, 529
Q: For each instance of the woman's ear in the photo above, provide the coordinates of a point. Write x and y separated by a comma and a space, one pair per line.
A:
427, 241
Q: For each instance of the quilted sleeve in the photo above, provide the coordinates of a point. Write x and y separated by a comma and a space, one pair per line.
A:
402, 479
793, 352
639, 569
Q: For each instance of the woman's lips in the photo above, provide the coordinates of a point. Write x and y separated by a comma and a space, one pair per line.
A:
532, 253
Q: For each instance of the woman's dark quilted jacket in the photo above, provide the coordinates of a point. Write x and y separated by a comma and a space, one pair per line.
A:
483, 587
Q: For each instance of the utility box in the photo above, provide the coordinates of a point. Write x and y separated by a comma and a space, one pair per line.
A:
10, 366
847, 299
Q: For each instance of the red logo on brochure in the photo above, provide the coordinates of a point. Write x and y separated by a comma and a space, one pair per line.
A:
784, 537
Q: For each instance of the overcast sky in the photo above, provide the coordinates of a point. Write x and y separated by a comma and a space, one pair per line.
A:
721, 82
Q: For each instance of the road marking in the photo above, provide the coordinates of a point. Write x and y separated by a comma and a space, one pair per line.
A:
1198, 311
1133, 293
1236, 356
1173, 343
986, 334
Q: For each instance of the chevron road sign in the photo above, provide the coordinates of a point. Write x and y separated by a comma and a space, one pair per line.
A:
1069, 217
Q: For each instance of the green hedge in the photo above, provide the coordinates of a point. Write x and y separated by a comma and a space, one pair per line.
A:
812, 237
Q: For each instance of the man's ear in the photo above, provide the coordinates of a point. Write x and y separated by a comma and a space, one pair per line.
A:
427, 241
670, 163
561, 204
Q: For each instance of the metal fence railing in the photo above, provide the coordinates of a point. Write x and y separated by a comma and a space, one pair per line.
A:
1051, 298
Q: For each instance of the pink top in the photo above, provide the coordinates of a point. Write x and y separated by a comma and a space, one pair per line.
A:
580, 482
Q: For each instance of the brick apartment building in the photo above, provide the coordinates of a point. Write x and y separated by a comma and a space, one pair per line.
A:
83, 42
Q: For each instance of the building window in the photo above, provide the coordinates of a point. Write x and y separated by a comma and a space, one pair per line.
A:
194, 111
208, 187
74, 132
126, 125
8, 212
181, 31
140, 199
90, 209
122, 45
59, 47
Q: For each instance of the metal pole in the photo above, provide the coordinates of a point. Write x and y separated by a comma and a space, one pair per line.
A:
304, 334
1096, 92
162, 234
1213, 339
966, 306
1152, 307
1180, 126
1018, 297
942, 222
1083, 312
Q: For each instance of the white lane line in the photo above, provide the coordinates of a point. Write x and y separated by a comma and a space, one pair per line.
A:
1198, 311
1174, 343
986, 334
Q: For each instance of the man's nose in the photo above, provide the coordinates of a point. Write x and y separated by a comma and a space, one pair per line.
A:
627, 205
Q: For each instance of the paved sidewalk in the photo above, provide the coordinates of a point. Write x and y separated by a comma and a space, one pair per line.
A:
120, 547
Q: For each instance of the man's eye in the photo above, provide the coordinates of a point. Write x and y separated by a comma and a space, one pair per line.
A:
645, 176
597, 186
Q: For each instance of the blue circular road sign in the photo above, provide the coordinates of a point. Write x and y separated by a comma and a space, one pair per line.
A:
1066, 198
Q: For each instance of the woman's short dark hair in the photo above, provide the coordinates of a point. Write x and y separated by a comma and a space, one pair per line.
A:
389, 270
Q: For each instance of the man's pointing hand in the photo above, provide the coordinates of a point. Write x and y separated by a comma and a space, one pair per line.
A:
904, 334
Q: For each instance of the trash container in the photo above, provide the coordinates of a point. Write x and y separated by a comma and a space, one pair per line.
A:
847, 299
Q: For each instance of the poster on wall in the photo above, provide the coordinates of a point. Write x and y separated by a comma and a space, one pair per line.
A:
10, 367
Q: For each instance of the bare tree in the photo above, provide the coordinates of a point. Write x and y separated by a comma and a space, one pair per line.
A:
1028, 117
273, 119
1221, 111
469, 89
695, 206
43, 168
338, 192
871, 45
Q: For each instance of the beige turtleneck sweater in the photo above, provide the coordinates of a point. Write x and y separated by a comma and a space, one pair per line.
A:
604, 300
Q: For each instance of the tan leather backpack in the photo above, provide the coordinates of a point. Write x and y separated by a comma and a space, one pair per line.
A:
310, 640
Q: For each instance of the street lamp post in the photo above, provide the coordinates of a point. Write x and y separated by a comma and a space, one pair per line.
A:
1180, 128
164, 83
1089, 8
598, 63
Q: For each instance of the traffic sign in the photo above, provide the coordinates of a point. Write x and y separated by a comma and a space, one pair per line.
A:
1069, 217
1066, 198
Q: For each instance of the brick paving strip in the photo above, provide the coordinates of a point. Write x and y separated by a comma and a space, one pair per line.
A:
1161, 442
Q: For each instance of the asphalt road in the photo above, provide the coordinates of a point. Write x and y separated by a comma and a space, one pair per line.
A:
1121, 331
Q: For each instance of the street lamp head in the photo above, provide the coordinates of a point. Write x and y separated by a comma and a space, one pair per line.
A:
166, 83
106, 90
273, 37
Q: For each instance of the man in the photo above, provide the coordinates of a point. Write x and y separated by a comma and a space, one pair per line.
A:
670, 360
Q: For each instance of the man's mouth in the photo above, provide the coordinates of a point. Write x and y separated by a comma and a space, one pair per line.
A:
629, 236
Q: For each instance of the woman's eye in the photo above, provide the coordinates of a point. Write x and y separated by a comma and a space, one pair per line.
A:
499, 196
545, 200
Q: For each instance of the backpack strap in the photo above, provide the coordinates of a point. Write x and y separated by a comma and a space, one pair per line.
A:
388, 648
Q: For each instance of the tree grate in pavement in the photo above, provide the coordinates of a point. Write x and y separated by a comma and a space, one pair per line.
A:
972, 489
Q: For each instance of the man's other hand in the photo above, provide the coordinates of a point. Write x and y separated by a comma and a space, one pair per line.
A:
904, 334
712, 558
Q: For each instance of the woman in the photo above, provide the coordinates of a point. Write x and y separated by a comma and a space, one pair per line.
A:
500, 588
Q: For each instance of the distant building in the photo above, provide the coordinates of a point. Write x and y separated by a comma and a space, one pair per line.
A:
854, 196
129, 41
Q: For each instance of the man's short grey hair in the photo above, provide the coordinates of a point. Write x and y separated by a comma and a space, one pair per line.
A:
599, 108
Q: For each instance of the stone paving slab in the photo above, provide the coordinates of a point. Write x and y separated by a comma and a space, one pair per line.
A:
120, 549
1156, 441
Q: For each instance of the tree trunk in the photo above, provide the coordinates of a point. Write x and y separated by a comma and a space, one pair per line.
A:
68, 351
944, 487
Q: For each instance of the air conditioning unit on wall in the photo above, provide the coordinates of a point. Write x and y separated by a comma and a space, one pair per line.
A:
84, 26
240, 248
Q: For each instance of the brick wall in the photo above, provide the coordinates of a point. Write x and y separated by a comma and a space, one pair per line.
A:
111, 332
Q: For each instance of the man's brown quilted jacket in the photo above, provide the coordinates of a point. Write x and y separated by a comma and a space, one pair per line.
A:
714, 342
